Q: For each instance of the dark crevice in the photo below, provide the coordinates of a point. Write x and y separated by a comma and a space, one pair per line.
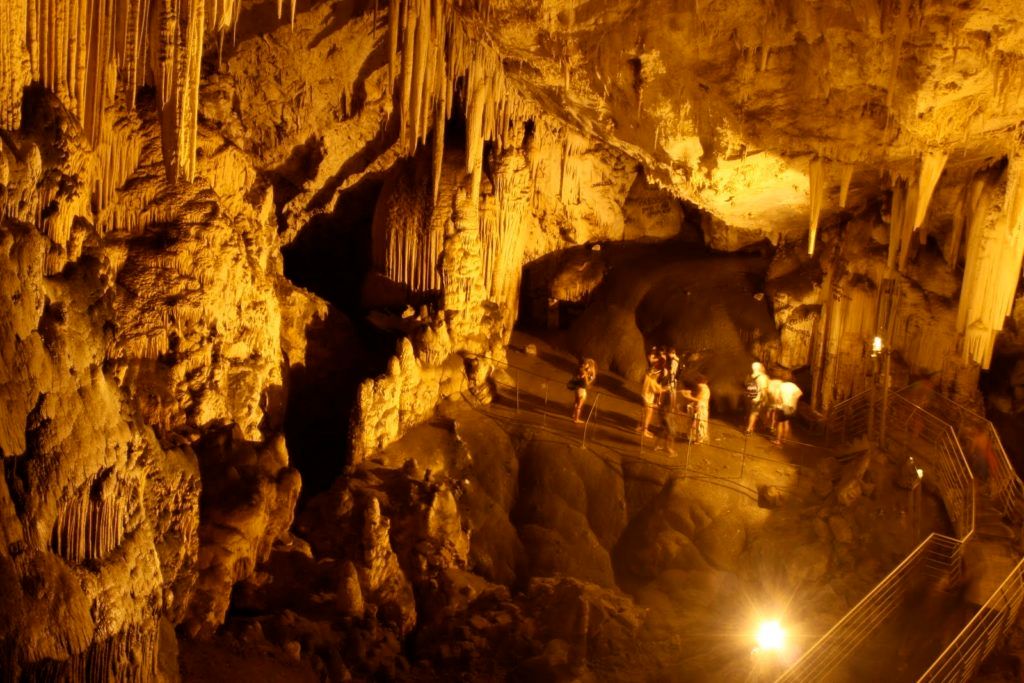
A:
331, 257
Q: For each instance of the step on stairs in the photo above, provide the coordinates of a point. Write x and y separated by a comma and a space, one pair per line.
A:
987, 563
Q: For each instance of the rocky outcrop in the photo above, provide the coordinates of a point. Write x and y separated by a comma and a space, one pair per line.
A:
155, 358
130, 337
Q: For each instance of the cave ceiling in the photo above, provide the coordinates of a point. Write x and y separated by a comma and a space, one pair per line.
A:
725, 103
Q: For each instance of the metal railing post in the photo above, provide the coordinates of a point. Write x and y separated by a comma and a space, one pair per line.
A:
544, 415
689, 444
887, 366
517, 390
642, 429
586, 425
871, 410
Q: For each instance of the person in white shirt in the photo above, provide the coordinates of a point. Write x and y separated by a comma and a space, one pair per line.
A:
784, 397
699, 433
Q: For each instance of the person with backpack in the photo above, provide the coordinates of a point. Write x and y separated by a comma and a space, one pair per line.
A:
757, 395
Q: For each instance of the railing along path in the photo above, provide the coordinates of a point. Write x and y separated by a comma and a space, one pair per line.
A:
932, 434
933, 430
608, 421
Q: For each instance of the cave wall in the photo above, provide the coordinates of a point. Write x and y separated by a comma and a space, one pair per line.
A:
155, 157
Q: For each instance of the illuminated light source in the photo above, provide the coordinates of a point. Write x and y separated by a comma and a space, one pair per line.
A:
920, 473
876, 346
770, 635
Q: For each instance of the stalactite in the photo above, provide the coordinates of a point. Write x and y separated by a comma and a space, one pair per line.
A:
995, 250
899, 192
129, 656
394, 12
932, 164
848, 323
900, 29
905, 200
92, 523
966, 208
87, 51
911, 200
1008, 78
438, 154
431, 49
845, 176
816, 176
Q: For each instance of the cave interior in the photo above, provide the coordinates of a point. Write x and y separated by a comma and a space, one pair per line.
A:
335, 340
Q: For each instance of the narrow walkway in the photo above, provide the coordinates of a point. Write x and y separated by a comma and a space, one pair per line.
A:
930, 617
947, 605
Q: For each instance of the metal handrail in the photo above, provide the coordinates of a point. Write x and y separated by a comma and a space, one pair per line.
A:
979, 638
1006, 485
934, 440
611, 399
955, 478
851, 419
859, 622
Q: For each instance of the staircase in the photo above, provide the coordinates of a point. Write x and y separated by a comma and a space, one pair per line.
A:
963, 593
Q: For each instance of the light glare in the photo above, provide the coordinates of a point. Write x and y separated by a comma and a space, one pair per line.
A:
771, 635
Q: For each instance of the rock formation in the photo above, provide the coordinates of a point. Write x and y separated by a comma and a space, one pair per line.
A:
783, 180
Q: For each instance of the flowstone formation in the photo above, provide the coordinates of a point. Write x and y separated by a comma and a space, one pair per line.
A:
781, 180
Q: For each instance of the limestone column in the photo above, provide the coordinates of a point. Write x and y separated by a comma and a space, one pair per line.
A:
462, 273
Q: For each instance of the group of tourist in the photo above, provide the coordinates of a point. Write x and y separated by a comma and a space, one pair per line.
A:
772, 401
661, 390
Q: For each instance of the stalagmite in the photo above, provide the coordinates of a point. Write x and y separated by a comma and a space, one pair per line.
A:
817, 191
506, 249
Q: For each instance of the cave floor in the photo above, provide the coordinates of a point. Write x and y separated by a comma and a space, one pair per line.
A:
534, 393
534, 396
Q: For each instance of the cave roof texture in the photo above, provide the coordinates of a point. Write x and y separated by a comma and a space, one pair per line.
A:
724, 103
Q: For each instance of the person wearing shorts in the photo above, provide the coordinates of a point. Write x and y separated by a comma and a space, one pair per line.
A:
650, 392
784, 400
585, 375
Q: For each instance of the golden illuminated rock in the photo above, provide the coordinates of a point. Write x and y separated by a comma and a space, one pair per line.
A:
433, 173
